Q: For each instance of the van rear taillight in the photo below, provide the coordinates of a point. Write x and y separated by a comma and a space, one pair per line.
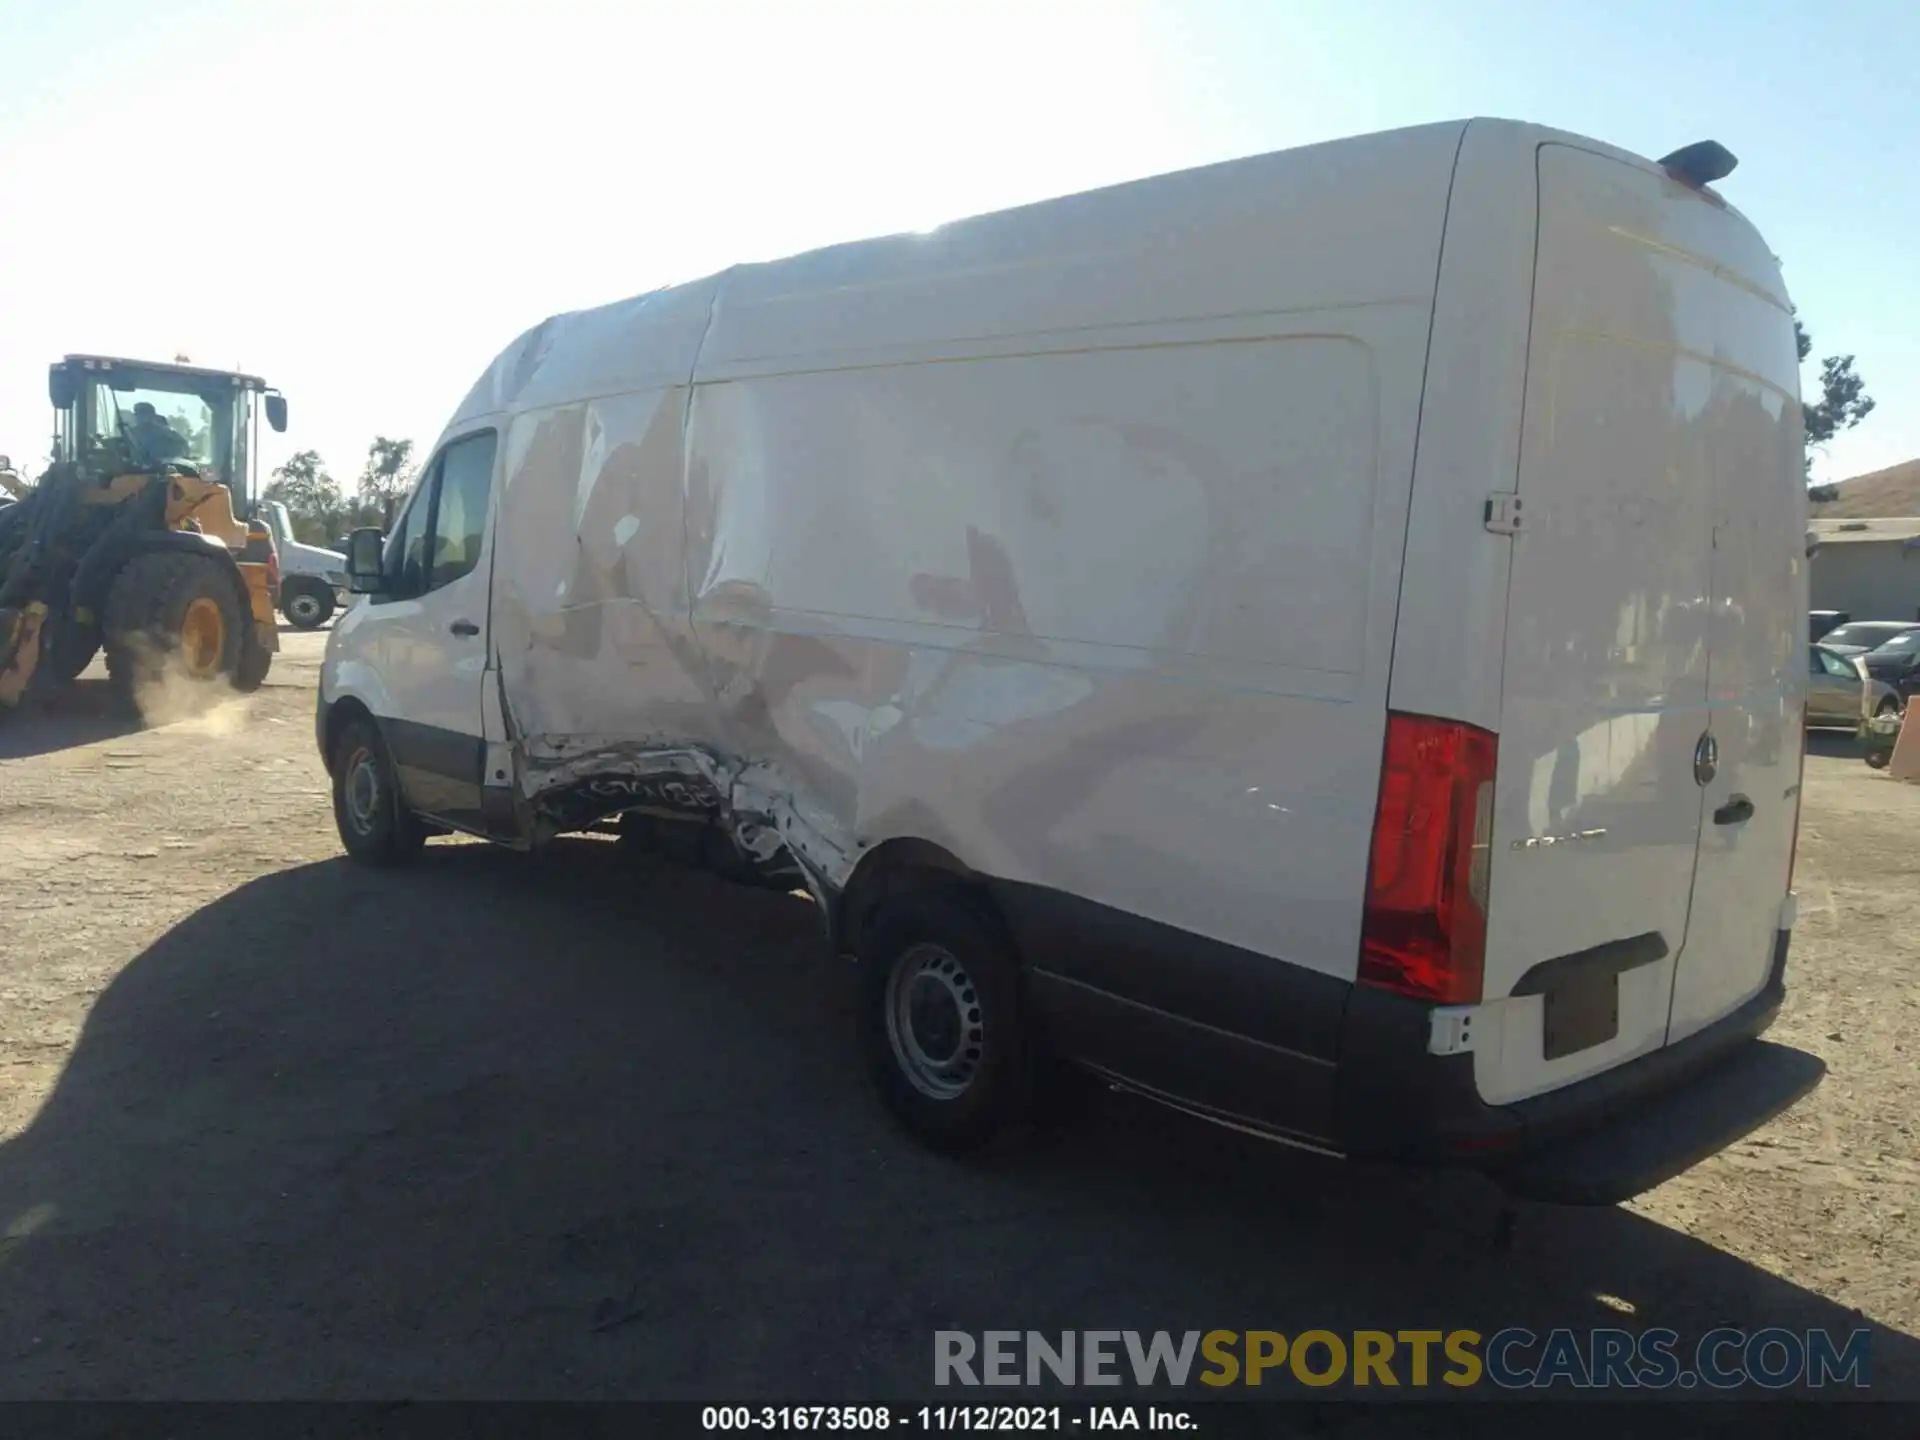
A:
1424, 931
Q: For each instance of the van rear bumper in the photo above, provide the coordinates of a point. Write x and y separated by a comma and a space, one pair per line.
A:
1594, 1142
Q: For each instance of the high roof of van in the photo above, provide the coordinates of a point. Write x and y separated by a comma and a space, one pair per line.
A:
1351, 221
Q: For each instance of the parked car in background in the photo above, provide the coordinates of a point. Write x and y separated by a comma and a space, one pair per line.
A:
1896, 663
1857, 637
1819, 622
1842, 693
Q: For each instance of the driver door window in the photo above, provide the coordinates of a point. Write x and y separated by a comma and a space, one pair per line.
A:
406, 552
460, 509
438, 539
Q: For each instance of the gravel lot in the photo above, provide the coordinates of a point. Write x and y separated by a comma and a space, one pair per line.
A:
271, 1125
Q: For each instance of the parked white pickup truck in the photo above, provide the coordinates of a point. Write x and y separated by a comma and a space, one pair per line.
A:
313, 581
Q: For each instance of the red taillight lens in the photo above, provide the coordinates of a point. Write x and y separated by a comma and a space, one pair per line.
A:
1425, 929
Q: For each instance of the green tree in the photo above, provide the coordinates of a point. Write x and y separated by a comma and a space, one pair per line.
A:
387, 476
194, 435
1843, 401
311, 495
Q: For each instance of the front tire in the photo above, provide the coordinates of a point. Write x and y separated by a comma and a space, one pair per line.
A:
375, 825
255, 661
66, 648
173, 612
941, 1022
306, 606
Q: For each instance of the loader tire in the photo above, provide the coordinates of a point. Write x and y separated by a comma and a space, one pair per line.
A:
255, 661
173, 613
66, 649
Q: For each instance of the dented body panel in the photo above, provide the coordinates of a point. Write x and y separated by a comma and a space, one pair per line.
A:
982, 538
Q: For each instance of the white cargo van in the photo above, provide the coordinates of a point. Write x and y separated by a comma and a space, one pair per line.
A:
1316, 639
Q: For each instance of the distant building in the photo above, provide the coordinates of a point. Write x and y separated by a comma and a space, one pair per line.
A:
1868, 568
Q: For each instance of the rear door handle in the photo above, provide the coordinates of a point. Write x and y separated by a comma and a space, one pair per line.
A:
467, 627
1736, 810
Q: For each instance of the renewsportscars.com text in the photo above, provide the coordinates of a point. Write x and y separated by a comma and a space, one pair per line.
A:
1512, 1358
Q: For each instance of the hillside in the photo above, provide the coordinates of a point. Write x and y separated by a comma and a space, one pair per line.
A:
1893, 491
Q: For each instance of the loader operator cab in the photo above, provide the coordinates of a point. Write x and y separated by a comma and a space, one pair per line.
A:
112, 416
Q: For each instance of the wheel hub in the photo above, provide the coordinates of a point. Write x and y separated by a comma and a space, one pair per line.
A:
361, 790
203, 637
934, 1022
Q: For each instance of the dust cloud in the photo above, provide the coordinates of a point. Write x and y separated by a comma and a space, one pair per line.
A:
165, 694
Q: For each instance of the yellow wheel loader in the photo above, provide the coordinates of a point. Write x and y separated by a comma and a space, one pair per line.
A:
132, 541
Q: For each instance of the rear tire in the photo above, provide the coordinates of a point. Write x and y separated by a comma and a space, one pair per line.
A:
306, 604
1888, 706
375, 825
1879, 759
173, 612
255, 661
940, 1020
66, 648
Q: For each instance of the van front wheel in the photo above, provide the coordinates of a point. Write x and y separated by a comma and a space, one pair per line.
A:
940, 1020
375, 825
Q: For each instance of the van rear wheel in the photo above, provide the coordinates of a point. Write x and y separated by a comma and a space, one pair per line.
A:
375, 825
940, 1020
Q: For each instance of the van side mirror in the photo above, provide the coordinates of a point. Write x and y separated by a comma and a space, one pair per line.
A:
364, 548
277, 412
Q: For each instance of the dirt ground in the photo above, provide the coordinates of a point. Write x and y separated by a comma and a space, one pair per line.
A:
271, 1125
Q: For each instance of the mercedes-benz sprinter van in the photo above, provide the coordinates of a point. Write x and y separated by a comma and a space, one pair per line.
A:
1316, 639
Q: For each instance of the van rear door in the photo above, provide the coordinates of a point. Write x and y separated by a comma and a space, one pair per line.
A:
1647, 785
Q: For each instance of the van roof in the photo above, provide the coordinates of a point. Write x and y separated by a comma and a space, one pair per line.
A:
1366, 212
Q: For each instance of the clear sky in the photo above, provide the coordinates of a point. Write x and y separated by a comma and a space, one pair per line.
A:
365, 201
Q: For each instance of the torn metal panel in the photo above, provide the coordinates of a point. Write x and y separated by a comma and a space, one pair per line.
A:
589, 588
573, 781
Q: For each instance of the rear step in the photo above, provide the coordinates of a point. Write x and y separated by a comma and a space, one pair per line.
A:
1652, 1143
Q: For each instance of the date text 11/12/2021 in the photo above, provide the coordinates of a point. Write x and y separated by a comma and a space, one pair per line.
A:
938, 1419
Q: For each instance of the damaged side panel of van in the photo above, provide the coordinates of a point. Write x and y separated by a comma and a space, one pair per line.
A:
1089, 583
